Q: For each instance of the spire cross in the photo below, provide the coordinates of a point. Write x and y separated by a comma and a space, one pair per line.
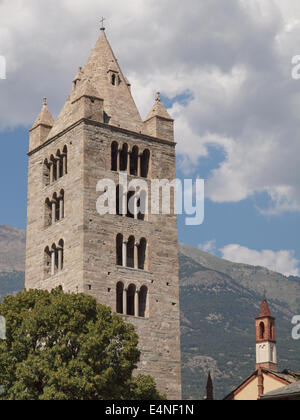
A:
102, 22
158, 97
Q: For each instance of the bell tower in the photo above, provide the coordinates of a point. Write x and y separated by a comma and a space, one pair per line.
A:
126, 259
266, 353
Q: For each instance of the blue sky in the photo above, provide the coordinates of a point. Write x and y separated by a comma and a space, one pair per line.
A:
224, 71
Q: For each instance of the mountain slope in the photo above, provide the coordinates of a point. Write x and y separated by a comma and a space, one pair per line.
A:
12, 249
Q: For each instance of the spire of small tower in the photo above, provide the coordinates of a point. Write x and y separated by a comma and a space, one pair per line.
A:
159, 123
44, 117
209, 389
266, 355
264, 309
159, 110
41, 127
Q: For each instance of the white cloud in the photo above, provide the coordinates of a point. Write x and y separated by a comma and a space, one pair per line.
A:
234, 58
209, 246
281, 261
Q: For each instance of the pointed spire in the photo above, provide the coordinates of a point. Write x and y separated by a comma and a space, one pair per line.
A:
107, 81
209, 389
159, 110
264, 309
44, 117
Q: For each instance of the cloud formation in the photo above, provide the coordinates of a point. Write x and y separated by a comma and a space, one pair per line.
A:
233, 58
282, 261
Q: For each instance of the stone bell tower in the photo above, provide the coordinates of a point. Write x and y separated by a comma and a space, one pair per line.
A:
127, 260
266, 354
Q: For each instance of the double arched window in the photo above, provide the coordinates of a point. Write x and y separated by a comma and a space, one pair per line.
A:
56, 167
131, 254
132, 161
131, 301
54, 259
55, 208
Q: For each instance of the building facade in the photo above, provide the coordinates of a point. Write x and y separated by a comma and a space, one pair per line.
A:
127, 260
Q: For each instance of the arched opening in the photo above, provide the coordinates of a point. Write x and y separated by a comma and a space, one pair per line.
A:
145, 163
130, 252
131, 300
47, 263
56, 209
119, 250
143, 296
142, 205
261, 330
59, 165
48, 213
60, 253
142, 254
120, 292
65, 160
134, 161
61, 205
53, 169
114, 156
124, 158
130, 204
54, 260
113, 79
46, 172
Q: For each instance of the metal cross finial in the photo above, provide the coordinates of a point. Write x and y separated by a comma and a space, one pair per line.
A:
158, 97
102, 22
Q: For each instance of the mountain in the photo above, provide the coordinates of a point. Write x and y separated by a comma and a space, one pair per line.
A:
219, 301
12, 249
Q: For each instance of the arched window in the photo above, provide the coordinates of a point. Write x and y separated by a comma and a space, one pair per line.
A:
119, 249
120, 292
114, 156
145, 162
131, 300
65, 160
134, 161
56, 208
142, 205
142, 254
61, 205
124, 158
47, 263
130, 252
60, 165
60, 253
143, 297
113, 79
130, 204
53, 169
46, 172
54, 260
48, 213
261, 330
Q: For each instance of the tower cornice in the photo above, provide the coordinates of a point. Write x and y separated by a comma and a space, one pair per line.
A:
103, 125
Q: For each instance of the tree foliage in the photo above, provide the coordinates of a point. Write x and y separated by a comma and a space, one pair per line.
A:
67, 347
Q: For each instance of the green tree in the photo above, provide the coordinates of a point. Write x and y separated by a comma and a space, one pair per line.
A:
67, 347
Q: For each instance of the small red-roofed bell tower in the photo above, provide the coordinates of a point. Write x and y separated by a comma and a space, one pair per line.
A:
266, 354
